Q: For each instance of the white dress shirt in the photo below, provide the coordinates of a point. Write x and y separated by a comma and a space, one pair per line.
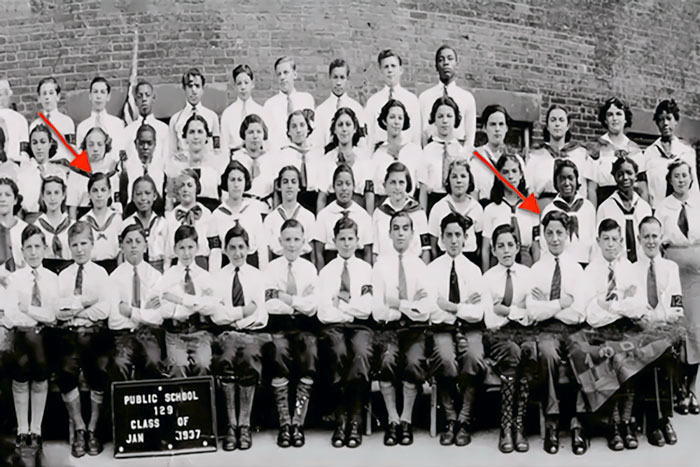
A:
373, 108
655, 162
467, 109
470, 208
122, 280
161, 152
668, 286
173, 282
274, 220
495, 283
380, 227
114, 127
96, 285
232, 118
327, 218
20, 286
66, 126
499, 214
611, 209
669, 209
430, 172
539, 168
276, 108
178, 121
360, 304
16, 132
306, 280
253, 286
579, 245
106, 235
626, 301
202, 226
324, 116
156, 235
410, 155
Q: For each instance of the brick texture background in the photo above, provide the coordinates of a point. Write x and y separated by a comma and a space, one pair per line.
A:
573, 52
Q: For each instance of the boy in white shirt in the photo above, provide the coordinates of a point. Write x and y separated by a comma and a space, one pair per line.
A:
100, 93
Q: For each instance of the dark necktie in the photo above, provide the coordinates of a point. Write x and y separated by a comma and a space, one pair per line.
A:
194, 110
56, 245
445, 161
611, 295
683, 220
403, 288
291, 280
630, 238
136, 289
514, 221
78, 290
444, 91
454, 285
652, 292
36, 294
189, 285
237, 298
508, 293
345, 279
391, 92
555, 292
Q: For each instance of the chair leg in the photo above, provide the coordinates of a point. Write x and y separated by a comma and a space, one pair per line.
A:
433, 409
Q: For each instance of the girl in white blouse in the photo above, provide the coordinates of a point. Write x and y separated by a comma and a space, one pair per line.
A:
54, 222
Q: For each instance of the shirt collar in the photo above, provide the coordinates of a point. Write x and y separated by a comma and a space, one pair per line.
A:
606, 139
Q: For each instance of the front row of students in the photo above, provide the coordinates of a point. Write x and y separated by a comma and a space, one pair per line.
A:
399, 321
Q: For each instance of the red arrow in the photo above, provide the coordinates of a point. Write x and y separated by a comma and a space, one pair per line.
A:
529, 203
80, 161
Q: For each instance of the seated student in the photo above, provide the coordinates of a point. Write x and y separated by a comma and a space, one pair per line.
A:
54, 222
97, 143
658, 280
146, 160
397, 185
504, 209
80, 339
287, 185
555, 301
31, 304
49, 92
135, 311
613, 300
508, 284
189, 211
104, 221
403, 303
302, 154
193, 82
625, 206
187, 302
343, 206
457, 356
291, 298
345, 307
237, 359
100, 93
236, 209
579, 211
244, 105
11, 227
145, 97
144, 197
458, 184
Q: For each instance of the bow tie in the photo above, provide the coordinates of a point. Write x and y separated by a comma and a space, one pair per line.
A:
188, 217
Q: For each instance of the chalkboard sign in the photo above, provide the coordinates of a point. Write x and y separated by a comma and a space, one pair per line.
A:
162, 417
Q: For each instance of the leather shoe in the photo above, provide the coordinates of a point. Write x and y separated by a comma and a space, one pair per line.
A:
338, 438
298, 438
615, 441
521, 443
447, 437
354, 435
79, 447
93, 443
463, 436
693, 406
627, 430
245, 440
391, 434
35, 441
551, 440
284, 437
656, 438
230, 441
406, 434
669, 433
579, 445
505, 441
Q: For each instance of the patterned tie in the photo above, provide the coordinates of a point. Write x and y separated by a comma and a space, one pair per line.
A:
555, 292
136, 289
683, 220
345, 279
290, 104
508, 293
403, 288
445, 161
612, 284
391, 92
237, 298
36, 294
194, 110
291, 281
652, 292
454, 285
189, 285
78, 290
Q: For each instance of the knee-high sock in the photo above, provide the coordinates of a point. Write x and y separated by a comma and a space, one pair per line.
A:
301, 404
465, 414
523, 394
280, 386
72, 401
229, 389
410, 391
39, 391
626, 405
389, 395
20, 394
245, 399
446, 390
96, 398
507, 390
615, 413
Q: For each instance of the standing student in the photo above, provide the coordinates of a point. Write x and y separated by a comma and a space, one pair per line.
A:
457, 355
244, 105
144, 196
104, 221
135, 312
145, 97
391, 67
446, 64
345, 308
49, 92
291, 300
193, 83
240, 289
303, 154
100, 93
31, 305
403, 303
556, 301
80, 339
11, 227
16, 128
54, 222
146, 159
286, 101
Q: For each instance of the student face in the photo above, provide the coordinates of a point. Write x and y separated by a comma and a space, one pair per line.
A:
392, 70
53, 196
286, 74
666, 123
650, 237
298, 129
96, 146
394, 121
244, 86
80, 246
615, 120
186, 250
99, 194
254, 136
459, 180
144, 196
145, 96
99, 96
339, 78
196, 136
289, 185
445, 121
395, 186
610, 244
346, 243
681, 180
48, 96
7, 200
344, 129
511, 171
187, 192
235, 184
446, 64
33, 250
566, 183
558, 124
134, 246
343, 187
236, 251
453, 239
292, 240
145, 144
496, 128
194, 90
401, 233
41, 145
625, 176
505, 248
555, 234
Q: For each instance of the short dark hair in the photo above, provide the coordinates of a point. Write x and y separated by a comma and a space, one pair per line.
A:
338, 63
242, 69
668, 106
184, 232
619, 103
399, 167
606, 225
381, 119
46, 181
78, 228
387, 53
498, 188
249, 120
556, 216
291, 224
41, 128
15, 191
399, 215
344, 223
448, 101
100, 79
190, 74
650, 220
142, 82
237, 231
236, 165
356, 123
195, 118
620, 161
502, 230
545, 131
132, 228
493, 109
48, 79
453, 218
144, 128
303, 113
30, 230
108, 139
98, 177
343, 168
562, 164
443, 47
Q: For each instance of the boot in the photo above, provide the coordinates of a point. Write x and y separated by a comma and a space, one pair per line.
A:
301, 404
463, 436
230, 441
505, 439
521, 443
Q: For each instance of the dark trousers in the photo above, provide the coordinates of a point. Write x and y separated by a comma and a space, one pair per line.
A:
83, 348
349, 351
137, 355
27, 357
295, 352
401, 355
654, 388
239, 356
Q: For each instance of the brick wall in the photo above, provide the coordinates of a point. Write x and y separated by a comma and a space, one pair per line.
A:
572, 52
